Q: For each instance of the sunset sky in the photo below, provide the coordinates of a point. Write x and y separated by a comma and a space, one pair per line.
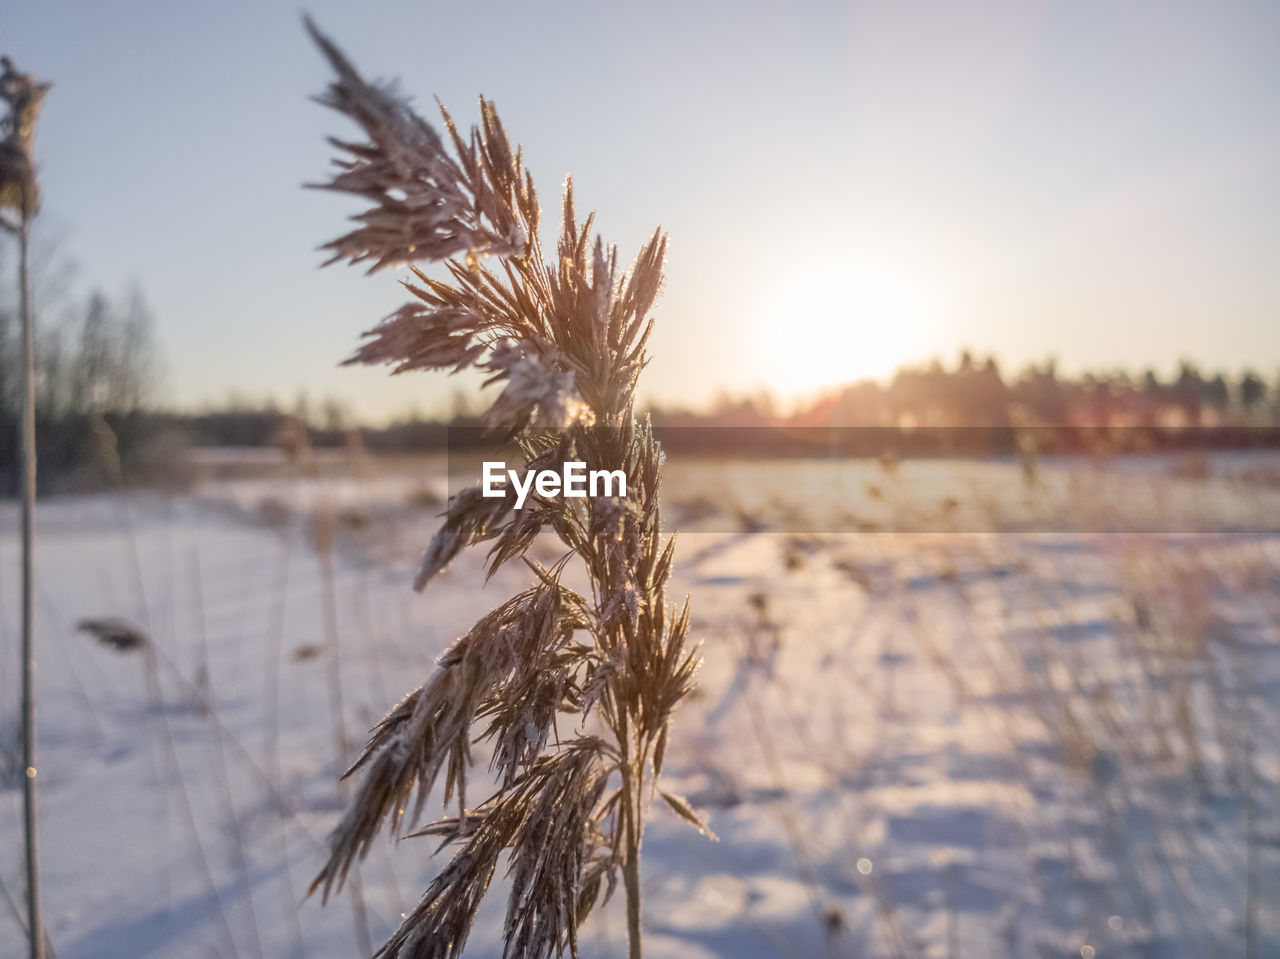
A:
847, 186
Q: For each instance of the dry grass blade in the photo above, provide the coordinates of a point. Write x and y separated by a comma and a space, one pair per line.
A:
687, 813
118, 634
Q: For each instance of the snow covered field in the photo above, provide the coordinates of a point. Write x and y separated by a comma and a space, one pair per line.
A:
975, 728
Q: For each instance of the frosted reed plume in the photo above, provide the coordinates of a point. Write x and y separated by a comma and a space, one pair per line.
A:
19, 187
564, 341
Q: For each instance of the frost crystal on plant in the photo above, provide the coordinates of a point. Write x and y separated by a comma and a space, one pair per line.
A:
537, 392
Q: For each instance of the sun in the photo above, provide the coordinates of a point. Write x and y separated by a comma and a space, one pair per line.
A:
844, 323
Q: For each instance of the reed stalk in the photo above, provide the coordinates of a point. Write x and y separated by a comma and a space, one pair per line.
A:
20, 197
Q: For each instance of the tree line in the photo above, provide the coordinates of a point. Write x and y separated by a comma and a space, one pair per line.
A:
974, 393
96, 376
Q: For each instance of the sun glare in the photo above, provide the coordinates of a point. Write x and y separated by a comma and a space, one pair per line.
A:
842, 324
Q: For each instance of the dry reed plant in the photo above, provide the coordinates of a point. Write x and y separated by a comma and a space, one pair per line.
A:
19, 202
565, 341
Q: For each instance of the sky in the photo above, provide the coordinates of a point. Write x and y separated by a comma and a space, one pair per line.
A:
847, 186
